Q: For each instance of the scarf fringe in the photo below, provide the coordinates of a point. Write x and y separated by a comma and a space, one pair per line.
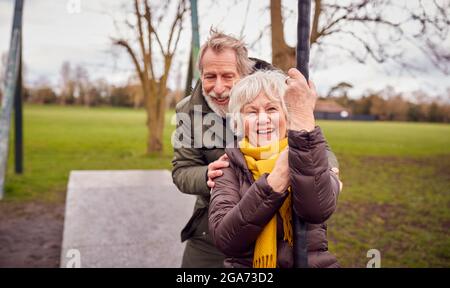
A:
265, 261
286, 215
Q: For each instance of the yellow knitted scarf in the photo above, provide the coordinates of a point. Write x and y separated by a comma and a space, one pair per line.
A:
261, 160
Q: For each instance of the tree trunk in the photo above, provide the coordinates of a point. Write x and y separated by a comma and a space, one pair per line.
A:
62, 100
283, 56
155, 129
155, 107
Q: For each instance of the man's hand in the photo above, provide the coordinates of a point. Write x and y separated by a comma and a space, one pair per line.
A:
214, 169
279, 178
335, 170
300, 99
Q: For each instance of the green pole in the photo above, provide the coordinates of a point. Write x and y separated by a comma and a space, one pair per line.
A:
195, 39
193, 73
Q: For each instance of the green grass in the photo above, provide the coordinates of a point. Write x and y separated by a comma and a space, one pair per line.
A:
60, 139
396, 195
387, 138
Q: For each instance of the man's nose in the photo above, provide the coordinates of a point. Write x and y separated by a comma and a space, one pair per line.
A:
219, 88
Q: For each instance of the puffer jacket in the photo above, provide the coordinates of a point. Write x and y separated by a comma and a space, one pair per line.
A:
240, 207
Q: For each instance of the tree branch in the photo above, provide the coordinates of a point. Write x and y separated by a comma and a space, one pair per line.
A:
123, 43
151, 30
181, 9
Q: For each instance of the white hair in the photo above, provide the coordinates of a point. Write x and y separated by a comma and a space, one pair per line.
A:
270, 82
218, 42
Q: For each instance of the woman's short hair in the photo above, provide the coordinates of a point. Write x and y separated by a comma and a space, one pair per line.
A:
219, 41
270, 82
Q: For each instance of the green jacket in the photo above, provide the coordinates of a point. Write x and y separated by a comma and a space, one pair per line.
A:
190, 165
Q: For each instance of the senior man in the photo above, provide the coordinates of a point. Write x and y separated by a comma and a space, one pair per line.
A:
223, 60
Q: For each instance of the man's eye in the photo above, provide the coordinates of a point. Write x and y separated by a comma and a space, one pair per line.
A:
272, 109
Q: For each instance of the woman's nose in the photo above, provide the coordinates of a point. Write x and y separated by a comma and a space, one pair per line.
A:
263, 118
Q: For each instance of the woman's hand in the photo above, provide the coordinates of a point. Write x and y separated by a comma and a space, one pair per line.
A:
300, 99
279, 178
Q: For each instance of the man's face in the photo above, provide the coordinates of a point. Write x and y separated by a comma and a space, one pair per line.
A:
218, 77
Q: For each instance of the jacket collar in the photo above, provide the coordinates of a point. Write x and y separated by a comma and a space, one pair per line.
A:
237, 158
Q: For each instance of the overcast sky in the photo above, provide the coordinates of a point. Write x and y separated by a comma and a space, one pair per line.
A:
55, 31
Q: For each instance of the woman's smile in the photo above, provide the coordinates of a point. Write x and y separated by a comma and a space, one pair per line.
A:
265, 131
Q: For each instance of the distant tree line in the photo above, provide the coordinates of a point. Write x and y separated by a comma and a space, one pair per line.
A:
389, 105
76, 88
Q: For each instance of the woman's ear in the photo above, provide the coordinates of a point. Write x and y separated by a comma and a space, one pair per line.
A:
236, 124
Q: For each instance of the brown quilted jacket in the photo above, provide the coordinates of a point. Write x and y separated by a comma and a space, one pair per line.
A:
240, 207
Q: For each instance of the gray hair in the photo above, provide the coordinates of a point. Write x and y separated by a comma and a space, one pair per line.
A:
219, 41
271, 82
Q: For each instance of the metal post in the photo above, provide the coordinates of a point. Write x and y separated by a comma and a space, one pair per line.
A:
18, 131
303, 31
12, 79
193, 73
188, 88
303, 34
195, 39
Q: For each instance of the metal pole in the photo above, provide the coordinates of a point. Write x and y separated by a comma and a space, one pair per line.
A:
193, 73
195, 39
11, 82
188, 88
303, 31
18, 126
303, 34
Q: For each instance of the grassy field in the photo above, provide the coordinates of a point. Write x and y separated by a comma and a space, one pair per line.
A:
396, 195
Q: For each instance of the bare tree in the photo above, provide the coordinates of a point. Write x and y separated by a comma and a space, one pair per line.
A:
340, 89
82, 84
373, 29
150, 48
67, 83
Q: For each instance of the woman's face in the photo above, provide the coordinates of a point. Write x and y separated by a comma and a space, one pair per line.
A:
264, 121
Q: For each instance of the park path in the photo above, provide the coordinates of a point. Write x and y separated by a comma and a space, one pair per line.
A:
129, 218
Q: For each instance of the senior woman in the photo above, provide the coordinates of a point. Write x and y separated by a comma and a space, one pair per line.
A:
281, 161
